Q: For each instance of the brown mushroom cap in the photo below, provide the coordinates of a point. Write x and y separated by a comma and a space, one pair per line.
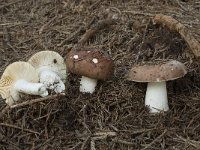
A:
170, 70
91, 63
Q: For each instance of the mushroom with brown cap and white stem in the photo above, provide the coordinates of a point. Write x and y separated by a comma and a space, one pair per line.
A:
20, 77
91, 64
156, 76
52, 69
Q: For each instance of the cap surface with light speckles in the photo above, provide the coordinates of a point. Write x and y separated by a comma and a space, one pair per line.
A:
89, 62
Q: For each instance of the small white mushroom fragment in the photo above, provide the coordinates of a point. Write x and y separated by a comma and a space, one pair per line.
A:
52, 69
156, 76
20, 77
94, 60
75, 56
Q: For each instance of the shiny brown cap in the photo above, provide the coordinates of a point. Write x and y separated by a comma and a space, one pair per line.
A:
170, 70
91, 63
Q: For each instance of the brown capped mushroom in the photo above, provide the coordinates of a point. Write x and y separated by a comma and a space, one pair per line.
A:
156, 76
20, 77
91, 64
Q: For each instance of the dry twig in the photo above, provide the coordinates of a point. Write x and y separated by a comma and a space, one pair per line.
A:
35, 101
46, 24
173, 24
123, 142
85, 143
42, 144
12, 23
46, 115
72, 36
6, 5
195, 144
137, 131
100, 136
29, 102
150, 144
100, 25
138, 13
75, 147
4, 110
16, 127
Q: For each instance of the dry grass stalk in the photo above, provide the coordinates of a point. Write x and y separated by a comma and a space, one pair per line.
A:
101, 24
159, 137
100, 136
29, 102
34, 101
16, 127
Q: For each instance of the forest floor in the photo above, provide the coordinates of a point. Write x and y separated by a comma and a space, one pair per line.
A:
114, 116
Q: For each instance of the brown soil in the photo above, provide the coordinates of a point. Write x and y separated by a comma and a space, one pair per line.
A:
117, 106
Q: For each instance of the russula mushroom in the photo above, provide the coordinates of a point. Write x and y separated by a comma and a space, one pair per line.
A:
51, 68
91, 64
20, 77
156, 76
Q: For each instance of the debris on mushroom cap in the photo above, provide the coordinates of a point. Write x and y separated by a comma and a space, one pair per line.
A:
16, 71
94, 60
51, 60
156, 73
75, 57
94, 64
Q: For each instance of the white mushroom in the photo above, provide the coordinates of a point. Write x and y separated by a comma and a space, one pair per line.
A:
156, 76
20, 77
52, 69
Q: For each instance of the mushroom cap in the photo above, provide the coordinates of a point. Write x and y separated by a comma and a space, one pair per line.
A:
50, 60
91, 63
170, 70
16, 71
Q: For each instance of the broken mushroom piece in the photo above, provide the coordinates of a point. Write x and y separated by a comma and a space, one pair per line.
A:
91, 64
20, 77
52, 69
156, 76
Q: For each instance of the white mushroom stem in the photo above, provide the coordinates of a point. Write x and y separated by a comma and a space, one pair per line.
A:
51, 80
156, 97
59, 87
48, 77
87, 85
30, 88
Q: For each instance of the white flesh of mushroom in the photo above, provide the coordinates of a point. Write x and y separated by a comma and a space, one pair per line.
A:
24, 86
51, 68
156, 97
87, 85
51, 80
